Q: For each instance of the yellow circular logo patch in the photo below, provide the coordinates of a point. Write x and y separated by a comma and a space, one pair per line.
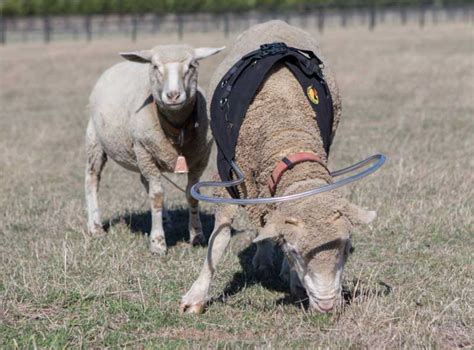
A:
312, 94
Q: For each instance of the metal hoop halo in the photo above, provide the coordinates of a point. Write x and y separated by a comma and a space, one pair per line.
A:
377, 159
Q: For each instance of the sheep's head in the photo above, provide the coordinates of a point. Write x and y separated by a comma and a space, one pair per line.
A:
173, 72
316, 237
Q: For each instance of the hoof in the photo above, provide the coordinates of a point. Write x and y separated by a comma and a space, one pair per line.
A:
97, 230
198, 240
195, 309
158, 247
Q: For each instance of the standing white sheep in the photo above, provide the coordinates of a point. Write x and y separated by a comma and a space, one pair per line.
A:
314, 232
144, 114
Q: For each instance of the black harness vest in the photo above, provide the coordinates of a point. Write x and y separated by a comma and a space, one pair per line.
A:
239, 85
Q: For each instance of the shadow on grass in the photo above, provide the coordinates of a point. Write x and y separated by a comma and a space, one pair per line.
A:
176, 227
140, 223
248, 277
357, 289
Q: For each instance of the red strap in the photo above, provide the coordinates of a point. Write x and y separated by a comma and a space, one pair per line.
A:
288, 163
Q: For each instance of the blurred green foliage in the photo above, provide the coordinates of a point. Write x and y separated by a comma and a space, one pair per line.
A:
65, 7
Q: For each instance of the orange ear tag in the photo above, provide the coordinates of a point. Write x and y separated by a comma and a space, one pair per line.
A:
181, 166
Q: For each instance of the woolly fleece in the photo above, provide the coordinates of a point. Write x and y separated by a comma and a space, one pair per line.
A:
119, 121
280, 120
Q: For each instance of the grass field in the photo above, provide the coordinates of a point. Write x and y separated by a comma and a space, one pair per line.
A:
407, 92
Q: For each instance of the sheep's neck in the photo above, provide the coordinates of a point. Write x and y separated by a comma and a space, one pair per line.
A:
302, 173
177, 118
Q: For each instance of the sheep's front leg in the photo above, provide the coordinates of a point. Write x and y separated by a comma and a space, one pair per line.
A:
263, 259
157, 234
289, 275
151, 178
195, 299
196, 236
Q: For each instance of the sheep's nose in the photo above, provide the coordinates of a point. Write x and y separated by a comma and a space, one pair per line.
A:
173, 95
326, 305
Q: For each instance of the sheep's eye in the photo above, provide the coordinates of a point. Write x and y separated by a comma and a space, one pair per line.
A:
191, 67
188, 70
158, 70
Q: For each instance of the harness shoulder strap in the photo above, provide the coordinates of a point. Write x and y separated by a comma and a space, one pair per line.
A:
234, 96
239, 85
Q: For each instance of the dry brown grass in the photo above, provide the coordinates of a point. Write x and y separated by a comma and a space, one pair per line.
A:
408, 93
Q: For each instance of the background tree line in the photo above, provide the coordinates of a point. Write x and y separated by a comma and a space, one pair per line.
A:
70, 7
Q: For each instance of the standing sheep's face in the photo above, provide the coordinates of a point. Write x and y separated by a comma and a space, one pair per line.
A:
316, 235
173, 72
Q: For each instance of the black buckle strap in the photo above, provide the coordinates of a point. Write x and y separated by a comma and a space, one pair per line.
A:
311, 67
288, 163
244, 63
265, 50
273, 49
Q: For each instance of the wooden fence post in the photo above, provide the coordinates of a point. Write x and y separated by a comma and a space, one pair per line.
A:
120, 21
403, 14
156, 23
372, 17
380, 14
422, 15
434, 13
303, 16
343, 13
3, 30
448, 14
226, 25
47, 29
134, 27
321, 15
87, 27
24, 32
179, 19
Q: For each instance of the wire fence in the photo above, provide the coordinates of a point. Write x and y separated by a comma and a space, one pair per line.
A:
49, 28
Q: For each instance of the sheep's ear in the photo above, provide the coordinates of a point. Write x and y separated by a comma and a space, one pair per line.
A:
269, 231
359, 216
143, 56
203, 52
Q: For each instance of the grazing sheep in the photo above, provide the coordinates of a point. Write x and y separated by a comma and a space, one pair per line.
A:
144, 114
314, 232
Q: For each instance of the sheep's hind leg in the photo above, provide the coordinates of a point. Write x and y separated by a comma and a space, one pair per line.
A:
96, 159
195, 299
196, 235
